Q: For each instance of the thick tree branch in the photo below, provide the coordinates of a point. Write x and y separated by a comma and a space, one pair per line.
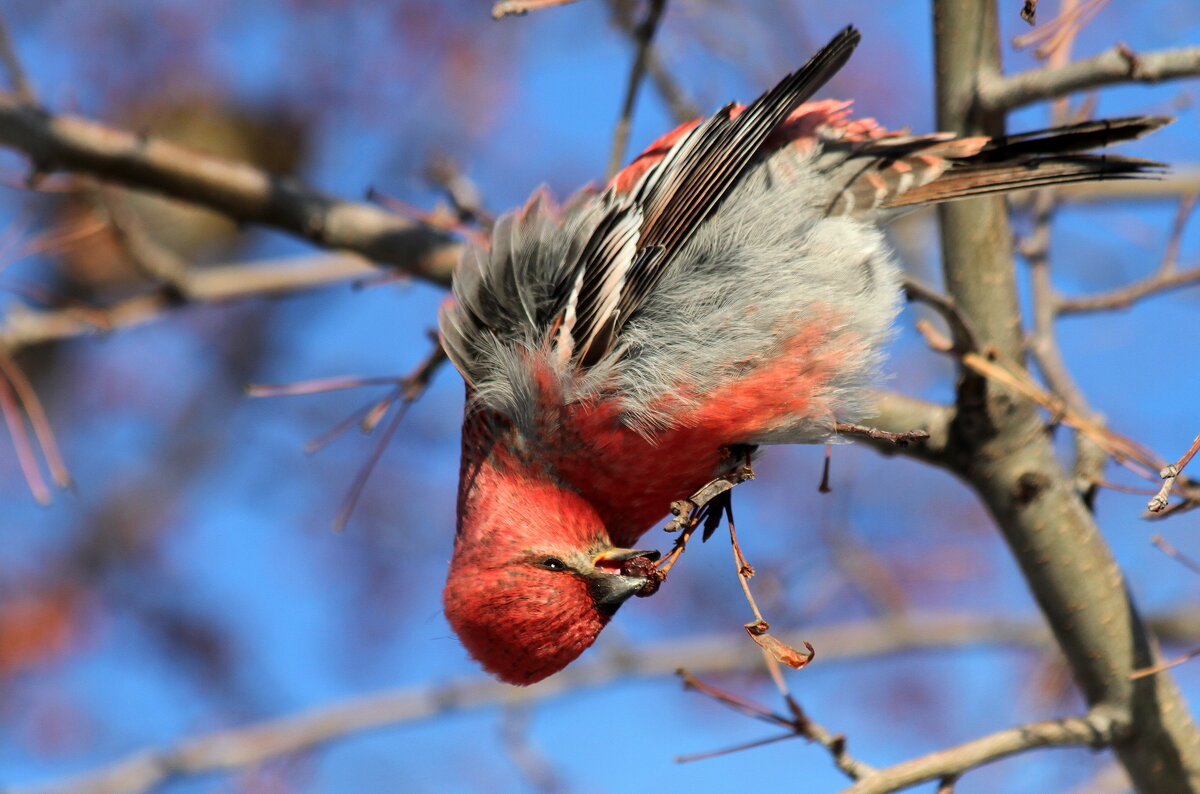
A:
69, 143
999, 446
1090, 731
1118, 65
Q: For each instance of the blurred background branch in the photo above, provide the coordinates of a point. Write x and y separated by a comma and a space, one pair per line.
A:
191, 544
227, 750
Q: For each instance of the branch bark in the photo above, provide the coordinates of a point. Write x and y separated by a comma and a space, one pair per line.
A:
23, 327
1117, 65
69, 143
712, 655
256, 743
1090, 731
998, 445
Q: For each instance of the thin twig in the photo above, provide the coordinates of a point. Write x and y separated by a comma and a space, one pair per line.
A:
22, 446
683, 108
1061, 30
643, 40
463, 193
1126, 296
537, 770
38, 420
521, 7
1170, 474
1175, 554
798, 724
411, 388
965, 338
1164, 666
874, 433
12, 64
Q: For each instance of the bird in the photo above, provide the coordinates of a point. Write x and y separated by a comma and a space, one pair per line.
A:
730, 287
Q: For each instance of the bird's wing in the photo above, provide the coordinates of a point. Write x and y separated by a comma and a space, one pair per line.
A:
635, 243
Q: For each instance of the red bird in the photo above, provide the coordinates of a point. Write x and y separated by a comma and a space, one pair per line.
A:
728, 287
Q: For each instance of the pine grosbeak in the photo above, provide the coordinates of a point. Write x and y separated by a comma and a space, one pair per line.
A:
728, 287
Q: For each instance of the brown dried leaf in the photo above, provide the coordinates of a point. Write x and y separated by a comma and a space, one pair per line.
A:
779, 649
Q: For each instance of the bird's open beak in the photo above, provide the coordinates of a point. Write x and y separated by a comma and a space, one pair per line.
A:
615, 579
613, 560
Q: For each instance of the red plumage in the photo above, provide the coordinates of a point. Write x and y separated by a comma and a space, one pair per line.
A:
727, 288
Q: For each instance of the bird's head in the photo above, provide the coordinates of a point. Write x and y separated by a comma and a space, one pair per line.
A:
532, 584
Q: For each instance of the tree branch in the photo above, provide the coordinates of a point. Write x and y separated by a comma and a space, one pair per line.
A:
999, 446
69, 143
1124, 297
521, 7
1117, 65
252, 744
898, 413
1091, 731
23, 327
643, 38
12, 64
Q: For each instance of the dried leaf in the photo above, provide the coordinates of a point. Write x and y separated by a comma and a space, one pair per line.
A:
779, 649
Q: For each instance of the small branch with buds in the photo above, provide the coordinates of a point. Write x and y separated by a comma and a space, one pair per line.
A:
1169, 474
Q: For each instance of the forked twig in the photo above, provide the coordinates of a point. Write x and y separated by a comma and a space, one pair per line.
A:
1170, 473
797, 724
407, 391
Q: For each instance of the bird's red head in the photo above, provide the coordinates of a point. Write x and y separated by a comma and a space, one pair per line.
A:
534, 579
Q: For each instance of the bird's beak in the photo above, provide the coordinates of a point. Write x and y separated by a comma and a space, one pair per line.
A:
612, 560
615, 580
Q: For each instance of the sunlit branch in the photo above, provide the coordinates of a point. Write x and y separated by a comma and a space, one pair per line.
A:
1091, 731
22, 327
1117, 65
254, 744
243, 192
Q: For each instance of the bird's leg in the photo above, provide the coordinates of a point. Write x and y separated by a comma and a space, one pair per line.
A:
705, 505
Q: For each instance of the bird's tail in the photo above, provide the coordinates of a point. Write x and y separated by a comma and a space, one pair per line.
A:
1052, 156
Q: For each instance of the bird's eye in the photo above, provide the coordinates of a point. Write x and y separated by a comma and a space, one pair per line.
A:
551, 564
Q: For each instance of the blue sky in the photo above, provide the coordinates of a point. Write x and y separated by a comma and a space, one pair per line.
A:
239, 539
